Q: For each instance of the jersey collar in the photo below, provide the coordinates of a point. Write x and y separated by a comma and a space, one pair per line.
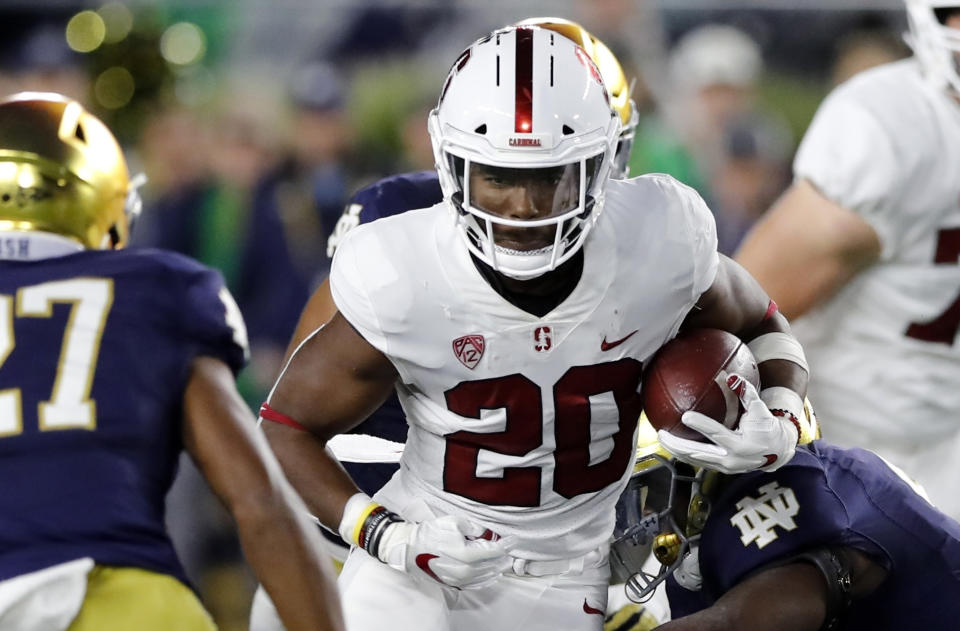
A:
599, 270
20, 245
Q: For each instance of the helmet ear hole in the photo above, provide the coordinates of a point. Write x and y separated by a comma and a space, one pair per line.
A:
482, 129
78, 133
945, 13
114, 237
567, 130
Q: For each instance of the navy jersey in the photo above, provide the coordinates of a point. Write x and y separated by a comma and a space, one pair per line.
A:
829, 495
95, 353
384, 198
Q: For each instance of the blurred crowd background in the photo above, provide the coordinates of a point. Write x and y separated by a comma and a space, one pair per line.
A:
255, 121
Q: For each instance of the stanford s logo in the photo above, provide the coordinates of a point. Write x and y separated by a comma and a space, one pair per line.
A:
469, 350
543, 341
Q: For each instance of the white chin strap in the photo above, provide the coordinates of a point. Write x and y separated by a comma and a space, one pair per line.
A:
522, 265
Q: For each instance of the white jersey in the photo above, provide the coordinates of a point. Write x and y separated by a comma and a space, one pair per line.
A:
883, 352
525, 423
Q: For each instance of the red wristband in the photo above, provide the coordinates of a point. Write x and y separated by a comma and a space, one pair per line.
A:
790, 416
267, 413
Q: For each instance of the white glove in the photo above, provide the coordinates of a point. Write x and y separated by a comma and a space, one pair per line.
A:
688, 574
762, 440
449, 549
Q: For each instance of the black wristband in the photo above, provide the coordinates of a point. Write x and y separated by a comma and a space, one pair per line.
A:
373, 527
833, 564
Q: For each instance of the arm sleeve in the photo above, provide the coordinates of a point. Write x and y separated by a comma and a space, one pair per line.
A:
848, 155
211, 320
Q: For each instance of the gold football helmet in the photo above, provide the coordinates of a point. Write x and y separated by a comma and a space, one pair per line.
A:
62, 171
662, 510
613, 78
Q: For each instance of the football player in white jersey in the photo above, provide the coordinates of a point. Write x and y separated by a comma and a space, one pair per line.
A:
371, 450
513, 320
863, 250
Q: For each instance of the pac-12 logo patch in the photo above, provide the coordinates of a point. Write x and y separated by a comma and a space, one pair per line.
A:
469, 350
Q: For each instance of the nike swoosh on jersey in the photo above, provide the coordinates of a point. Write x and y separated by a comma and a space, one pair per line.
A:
587, 608
605, 345
423, 562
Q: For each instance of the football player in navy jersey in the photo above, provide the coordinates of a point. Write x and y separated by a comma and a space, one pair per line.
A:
835, 539
111, 363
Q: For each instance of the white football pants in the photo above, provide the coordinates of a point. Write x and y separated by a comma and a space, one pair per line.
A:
376, 596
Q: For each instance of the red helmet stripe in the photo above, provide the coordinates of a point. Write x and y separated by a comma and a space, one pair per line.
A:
523, 118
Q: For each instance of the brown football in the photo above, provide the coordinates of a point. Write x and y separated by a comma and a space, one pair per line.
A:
689, 373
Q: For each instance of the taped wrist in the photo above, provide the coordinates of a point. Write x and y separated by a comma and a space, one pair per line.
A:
778, 345
364, 522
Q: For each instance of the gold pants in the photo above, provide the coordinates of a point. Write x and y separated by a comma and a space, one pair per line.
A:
131, 599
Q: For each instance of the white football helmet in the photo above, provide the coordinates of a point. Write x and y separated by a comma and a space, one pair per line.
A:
525, 104
935, 45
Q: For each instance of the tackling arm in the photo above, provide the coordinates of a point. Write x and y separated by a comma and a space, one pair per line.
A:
803, 594
806, 248
800, 604
219, 434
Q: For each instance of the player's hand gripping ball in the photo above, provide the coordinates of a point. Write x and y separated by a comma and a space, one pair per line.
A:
690, 373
